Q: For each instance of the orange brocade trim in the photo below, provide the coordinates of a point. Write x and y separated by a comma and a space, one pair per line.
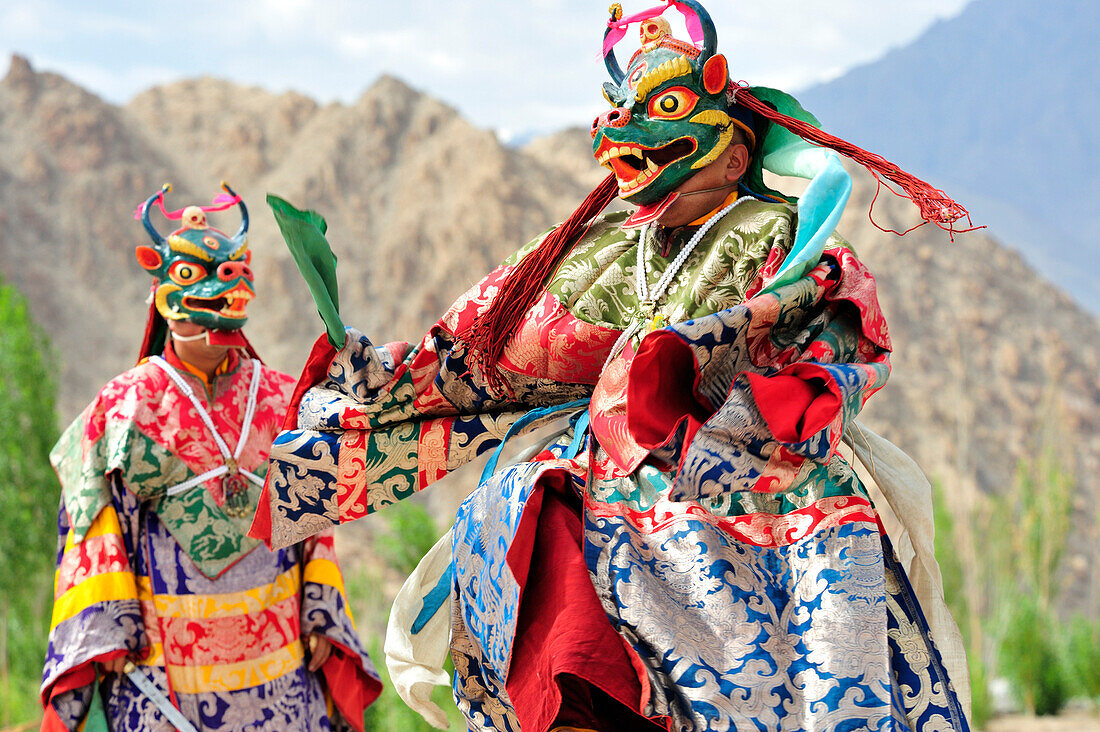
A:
725, 202
351, 475
431, 453
759, 529
231, 676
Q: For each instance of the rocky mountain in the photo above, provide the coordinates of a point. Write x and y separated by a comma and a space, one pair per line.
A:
420, 204
997, 106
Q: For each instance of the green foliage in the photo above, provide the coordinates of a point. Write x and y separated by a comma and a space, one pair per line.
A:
981, 702
389, 712
1032, 649
1030, 657
411, 534
28, 505
1083, 656
948, 556
1004, 593
1041, 506
954, 571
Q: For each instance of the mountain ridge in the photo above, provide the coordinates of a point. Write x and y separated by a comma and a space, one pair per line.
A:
995, 105
421, 204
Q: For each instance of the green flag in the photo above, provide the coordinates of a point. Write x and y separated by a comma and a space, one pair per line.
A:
304, 234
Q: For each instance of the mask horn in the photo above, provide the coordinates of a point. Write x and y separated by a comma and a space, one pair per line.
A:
243, 231
613, 35
158, 240
613, 68
706, 24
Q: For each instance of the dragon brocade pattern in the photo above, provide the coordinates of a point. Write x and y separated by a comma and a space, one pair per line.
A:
738, 513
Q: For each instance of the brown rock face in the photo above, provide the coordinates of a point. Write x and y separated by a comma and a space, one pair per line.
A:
420, 205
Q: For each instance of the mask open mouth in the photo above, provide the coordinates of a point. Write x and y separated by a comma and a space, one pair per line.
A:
229, 304
636, 166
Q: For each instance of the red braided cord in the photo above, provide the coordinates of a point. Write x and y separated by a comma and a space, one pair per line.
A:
935, 206
490, 333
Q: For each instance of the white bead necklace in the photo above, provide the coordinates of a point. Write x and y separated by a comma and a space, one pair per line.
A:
648, 301
231, 468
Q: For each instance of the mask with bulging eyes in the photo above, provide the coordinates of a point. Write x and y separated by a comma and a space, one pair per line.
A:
669, 110
202, 274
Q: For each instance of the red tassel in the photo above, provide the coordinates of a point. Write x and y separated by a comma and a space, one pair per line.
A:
151, 324
490, 333
935, 206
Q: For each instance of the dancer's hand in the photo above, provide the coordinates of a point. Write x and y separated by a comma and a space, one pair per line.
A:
114, 666
320, 648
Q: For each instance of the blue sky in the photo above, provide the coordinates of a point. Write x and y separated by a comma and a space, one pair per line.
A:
512, 65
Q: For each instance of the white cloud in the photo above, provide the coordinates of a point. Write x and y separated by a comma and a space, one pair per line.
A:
24, 21
280, 19
368, 44
443, 63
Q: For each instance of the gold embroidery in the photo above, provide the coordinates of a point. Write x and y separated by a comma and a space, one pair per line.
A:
182, 246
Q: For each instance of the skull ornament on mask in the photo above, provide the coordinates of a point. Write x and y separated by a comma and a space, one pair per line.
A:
669, 115
202, 275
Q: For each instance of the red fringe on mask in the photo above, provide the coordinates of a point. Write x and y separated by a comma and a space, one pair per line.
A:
935, 206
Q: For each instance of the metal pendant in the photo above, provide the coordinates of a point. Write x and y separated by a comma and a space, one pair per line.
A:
657, 321
235, 489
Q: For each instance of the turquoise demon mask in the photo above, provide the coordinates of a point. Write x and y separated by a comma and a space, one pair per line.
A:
669, 115
202, 275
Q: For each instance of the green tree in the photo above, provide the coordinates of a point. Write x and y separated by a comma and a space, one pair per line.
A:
1006, 595
1083, 649
28, 504
954, 573
1030, 656
411, 534
1033, 645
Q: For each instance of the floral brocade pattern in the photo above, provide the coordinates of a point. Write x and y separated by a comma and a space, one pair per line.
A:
143, 427
597, 282
366, 430
202, 610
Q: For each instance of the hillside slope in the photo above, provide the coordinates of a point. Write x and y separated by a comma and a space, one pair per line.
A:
421, 204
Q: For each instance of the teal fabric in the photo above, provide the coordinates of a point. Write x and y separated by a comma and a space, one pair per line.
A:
782, 152
819, 210
778, 148
434, 600
96, 718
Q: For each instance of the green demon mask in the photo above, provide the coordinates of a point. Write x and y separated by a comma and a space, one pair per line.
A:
669, 115
202, 275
